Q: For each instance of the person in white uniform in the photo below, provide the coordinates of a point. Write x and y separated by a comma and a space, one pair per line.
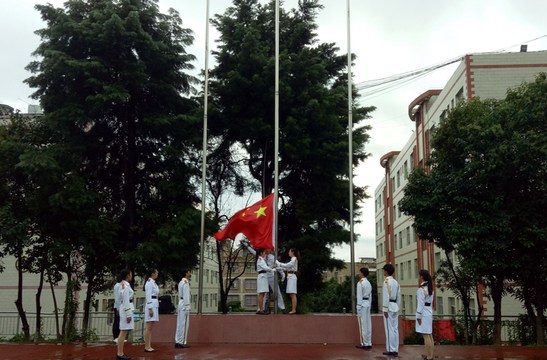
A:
364, 299
183, 316
262, 285
151, 308
126, 310
270, 261
424, 311
292, 280
391, 300
117, 303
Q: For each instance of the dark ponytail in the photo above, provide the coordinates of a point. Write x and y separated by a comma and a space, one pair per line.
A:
427, 277
148, 275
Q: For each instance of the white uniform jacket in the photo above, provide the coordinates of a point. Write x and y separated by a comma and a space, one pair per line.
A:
184, 294
117, 299
364, 293
391, 296
126, 296
152, 291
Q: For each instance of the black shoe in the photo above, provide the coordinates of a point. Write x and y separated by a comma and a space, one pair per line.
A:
123, 357
179, 346
360, 346
389, 353
367, 347
185, 346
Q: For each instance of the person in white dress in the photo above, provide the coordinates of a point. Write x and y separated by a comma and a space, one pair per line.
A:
183, 315
151, 308
424, 311
126, 310
270, 261
391, 300
117, 302
291, 267
364, 299
262, 285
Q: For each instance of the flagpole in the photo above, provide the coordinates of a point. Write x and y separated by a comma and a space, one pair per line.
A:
350, 157
204, 161
276, 144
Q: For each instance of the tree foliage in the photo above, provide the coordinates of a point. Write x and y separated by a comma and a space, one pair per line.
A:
313, 167
486, 189
110, 181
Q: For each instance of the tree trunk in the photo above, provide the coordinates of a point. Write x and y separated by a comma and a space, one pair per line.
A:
55, 307
497, 293
129, 166
223, 292
19, 301
38, 331
87, 304
540, 317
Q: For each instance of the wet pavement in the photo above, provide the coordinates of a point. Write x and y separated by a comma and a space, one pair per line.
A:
12, 351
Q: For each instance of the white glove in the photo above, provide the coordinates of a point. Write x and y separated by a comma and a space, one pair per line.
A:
282, 276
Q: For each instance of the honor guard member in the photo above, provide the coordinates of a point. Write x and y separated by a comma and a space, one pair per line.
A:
126, 312
151, 308
424, 311
270, 261
292, 280
391, 299
183, 316
262, 285
364, 300
117, 302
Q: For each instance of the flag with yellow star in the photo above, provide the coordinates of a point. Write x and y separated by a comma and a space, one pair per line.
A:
255, 222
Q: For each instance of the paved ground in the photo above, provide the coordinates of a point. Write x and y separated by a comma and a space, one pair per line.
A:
263, 352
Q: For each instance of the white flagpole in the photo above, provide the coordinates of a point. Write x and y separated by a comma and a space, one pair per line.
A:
204, 161
350, 157
276, 144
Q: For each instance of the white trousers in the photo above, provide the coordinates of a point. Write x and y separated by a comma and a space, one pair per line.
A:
365, 326
183, 318
280, 302
391, 325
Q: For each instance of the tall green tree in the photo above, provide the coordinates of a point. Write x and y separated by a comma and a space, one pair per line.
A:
113, 81
486, 189
314, 147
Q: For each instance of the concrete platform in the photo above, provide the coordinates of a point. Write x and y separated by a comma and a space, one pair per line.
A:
244, 328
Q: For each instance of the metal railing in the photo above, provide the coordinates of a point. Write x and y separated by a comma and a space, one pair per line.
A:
99, 328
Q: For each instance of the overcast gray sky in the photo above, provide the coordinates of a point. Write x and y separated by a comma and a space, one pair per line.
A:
388, 37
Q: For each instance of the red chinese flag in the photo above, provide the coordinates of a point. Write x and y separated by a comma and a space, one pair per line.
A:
255, 222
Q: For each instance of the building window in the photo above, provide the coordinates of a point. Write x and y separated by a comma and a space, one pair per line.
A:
472, 307
395, 211
250, 300
459, 96
399, 209
398, 178
395, 240
410, 302
440, 307
415, 268
437, 261
452, 306
206, 300
409, 269
400, 239
405, 170
250, 284
235, 285
408, 235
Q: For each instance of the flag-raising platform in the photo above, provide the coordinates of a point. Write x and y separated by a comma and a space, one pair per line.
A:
250, 328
